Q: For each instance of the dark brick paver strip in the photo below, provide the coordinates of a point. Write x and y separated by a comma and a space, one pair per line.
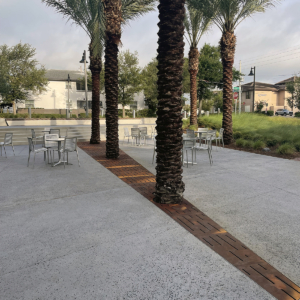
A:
198, 224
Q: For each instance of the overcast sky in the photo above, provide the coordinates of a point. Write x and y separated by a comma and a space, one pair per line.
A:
270, 41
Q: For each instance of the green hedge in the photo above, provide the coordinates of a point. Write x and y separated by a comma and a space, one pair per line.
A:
297, 114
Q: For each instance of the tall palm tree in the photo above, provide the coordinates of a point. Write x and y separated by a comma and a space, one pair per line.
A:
86, 14
169, 184
227, 15
196, 23
117, 13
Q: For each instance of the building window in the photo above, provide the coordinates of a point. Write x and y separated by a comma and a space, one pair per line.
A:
81, 104
29, 103
248, 95
68, 85
80, 86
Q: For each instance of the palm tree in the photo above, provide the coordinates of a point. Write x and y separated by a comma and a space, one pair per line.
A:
169, 185
117, 13
86, 15
227, 15
196, 24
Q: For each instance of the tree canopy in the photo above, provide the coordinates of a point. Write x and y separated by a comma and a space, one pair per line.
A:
19, 73
293, 88
129, 77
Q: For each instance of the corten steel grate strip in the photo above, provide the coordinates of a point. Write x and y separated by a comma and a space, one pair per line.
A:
200, 225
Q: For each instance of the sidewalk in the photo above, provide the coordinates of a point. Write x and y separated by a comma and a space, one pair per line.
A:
83, 233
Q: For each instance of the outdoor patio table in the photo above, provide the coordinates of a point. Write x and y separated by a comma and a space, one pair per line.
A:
58, 140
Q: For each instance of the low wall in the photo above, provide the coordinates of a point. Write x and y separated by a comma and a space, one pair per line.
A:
51, 111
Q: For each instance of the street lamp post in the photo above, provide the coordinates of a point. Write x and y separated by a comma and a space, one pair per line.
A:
68, 105
83, 60
252, 73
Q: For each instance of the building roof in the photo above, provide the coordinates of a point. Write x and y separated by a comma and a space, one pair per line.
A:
286, 80
62, 75
260, 86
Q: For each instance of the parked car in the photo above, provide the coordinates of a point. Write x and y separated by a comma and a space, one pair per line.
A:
283, 112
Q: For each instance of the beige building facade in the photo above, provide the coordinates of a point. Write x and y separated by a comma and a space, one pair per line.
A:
273, 96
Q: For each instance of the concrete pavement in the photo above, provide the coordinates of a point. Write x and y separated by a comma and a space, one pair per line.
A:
81, 233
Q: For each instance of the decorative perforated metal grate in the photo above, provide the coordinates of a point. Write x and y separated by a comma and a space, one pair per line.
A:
200, 225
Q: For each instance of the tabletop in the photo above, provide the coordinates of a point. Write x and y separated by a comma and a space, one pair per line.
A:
55, 140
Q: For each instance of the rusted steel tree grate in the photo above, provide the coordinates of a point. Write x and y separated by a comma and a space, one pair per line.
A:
199, 224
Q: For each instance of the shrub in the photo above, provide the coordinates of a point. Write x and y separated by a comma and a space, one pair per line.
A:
193, 127
270, 113
285, 149
248, 144
247, 136
297, 147
237, 135
83, 116
257, 137
146, 113
74, 116
271, 142
297, 114
259, 145
240, 142
185, 123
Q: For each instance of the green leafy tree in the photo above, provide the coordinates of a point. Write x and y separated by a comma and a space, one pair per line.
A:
20, 75
210, 73
129, 78
149, 84
227, 15
196, 23
293, 88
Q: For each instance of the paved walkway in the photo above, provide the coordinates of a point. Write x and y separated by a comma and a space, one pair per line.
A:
83, 233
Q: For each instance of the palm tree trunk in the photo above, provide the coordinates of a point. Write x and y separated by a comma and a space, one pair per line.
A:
95, 67
169, 185
113, 35
193, 69
227, 45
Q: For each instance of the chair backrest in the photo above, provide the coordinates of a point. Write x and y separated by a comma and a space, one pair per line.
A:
188, 143
143, 130
190, 133
55, 131
126, 131
67, 132
135, 131
8, 138
33, 134
50, 137
221, 132
70, 144
31, 145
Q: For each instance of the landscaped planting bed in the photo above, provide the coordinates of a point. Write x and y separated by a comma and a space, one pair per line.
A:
254, 132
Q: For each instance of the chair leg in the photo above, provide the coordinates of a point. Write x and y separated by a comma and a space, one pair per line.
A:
13, 149
192, 156
67, 158
187, 159
5, 151
33, 159
1, 149
153, 155
64, 159
78, 158
28, 159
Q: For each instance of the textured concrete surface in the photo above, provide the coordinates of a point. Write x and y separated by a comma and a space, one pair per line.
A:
254, 197
81, 233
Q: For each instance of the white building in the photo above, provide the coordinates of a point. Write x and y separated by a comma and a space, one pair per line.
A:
56, 96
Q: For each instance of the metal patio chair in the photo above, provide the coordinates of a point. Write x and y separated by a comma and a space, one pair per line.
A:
144, 135
55, 131
126, 134
207, 146
7, 142
188, 144
32, 149
135, 133
33, 135
70, 145
50, 146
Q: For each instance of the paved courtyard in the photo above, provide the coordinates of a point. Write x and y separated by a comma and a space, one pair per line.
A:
82, 233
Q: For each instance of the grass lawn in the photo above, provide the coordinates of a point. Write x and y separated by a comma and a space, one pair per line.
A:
258, 131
